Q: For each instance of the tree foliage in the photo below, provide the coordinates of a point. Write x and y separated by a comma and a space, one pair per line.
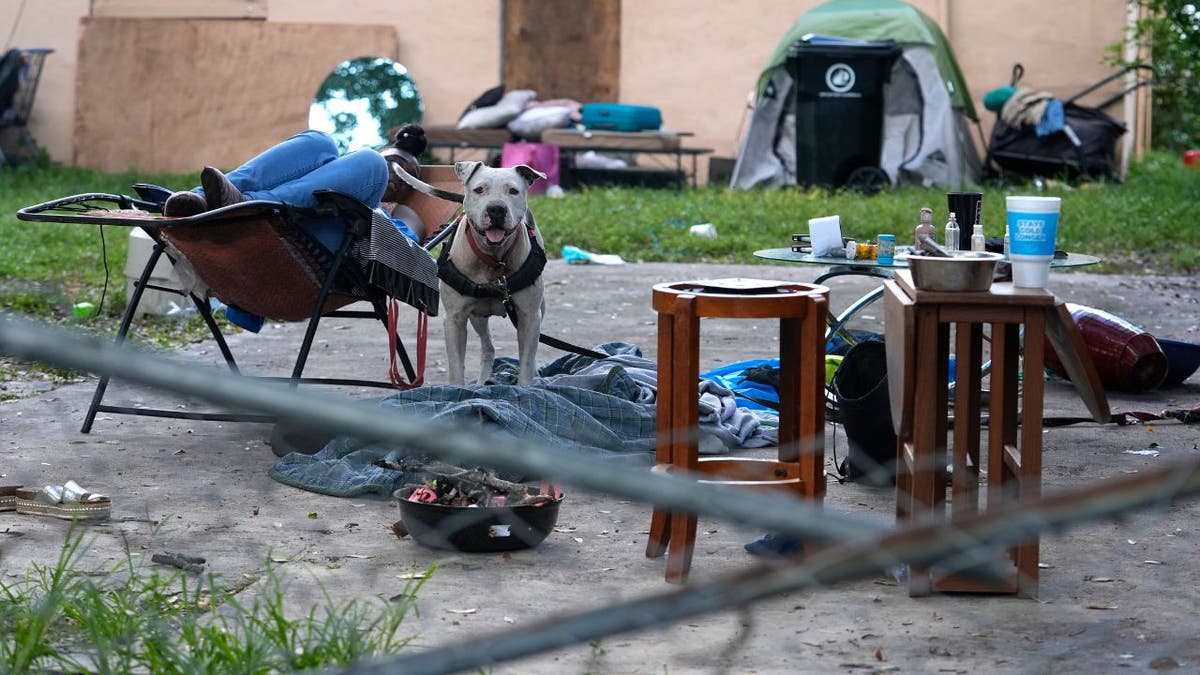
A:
1170, 29
363, 99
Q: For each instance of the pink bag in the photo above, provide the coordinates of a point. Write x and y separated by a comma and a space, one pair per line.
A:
540, 156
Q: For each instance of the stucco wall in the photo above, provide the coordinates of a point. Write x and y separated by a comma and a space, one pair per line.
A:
700, 66
697, 61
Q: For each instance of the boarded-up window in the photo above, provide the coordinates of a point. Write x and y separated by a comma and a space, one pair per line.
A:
209, 92
563, 49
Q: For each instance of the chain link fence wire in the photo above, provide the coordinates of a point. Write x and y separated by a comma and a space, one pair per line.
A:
847, 547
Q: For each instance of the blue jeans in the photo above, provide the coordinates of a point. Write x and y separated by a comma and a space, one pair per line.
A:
291, 170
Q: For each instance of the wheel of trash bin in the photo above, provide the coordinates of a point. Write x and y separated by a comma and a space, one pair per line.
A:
868, 180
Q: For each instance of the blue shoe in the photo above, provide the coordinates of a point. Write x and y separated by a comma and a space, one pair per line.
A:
772, 545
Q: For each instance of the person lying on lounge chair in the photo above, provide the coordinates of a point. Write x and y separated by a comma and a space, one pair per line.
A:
290, 171
409, 145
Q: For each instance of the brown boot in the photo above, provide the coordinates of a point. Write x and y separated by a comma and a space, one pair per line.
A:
184, 204
218, 190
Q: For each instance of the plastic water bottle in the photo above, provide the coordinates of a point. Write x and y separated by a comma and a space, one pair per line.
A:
951, 234
177, 312
978, 241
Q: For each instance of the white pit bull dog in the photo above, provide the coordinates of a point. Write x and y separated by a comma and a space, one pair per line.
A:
493, 267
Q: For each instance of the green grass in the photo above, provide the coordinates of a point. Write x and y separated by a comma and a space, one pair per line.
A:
46, 268
132, 618
1148, 224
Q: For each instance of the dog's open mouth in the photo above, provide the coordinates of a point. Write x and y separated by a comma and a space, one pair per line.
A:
495, 234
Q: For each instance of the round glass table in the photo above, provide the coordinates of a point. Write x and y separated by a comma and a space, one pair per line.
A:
840, 266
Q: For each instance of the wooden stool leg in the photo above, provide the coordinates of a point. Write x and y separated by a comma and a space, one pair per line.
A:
810, 399
685, 409
660, 521
1030, 482
968, 361
683, 544
1002, 415
904, 465
901, 347
789, 390
795, 446
942, 426
929, 403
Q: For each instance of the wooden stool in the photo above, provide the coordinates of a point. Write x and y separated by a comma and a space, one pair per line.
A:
802, 310
917, 325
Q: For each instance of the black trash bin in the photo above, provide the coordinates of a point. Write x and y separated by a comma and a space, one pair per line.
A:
839, 109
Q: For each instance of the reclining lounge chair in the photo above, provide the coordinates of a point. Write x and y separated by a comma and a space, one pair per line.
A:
260, 257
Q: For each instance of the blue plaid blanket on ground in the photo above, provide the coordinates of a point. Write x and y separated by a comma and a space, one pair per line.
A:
580, 404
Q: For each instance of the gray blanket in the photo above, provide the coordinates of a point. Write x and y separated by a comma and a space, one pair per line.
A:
579, 404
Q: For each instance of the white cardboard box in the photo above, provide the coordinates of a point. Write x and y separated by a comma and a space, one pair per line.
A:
153, 301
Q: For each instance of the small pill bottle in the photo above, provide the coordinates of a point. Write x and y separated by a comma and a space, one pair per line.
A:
887, 249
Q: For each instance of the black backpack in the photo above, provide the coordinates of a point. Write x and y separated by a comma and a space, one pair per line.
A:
861, 392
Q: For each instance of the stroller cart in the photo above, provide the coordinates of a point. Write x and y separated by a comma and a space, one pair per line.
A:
262, 258
20, 71
1084, 146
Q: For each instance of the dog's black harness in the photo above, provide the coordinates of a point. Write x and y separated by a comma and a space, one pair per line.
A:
504, 285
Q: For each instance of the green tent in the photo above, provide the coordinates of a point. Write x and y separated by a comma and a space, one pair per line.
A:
925, 137
877, 20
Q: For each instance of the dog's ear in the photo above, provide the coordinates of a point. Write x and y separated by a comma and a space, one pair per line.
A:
529, 173
466, 169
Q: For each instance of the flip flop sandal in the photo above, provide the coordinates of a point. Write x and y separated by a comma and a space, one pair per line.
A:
69, 502
8, 497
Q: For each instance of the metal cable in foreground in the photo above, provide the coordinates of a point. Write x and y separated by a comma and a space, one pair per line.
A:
971, 543
855, 549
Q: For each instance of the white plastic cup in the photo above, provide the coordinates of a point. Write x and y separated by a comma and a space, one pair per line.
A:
706, 230
1032, 234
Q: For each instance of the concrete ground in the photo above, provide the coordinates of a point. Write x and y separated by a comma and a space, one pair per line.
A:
1113, 595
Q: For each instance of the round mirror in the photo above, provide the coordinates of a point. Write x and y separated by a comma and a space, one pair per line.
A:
362, 100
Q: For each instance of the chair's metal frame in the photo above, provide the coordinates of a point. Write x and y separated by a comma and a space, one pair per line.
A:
338, 278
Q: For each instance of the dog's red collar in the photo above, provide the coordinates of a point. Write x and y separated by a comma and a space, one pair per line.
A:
495, 262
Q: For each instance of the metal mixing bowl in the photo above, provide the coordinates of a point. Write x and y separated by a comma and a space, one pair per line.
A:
965, 271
